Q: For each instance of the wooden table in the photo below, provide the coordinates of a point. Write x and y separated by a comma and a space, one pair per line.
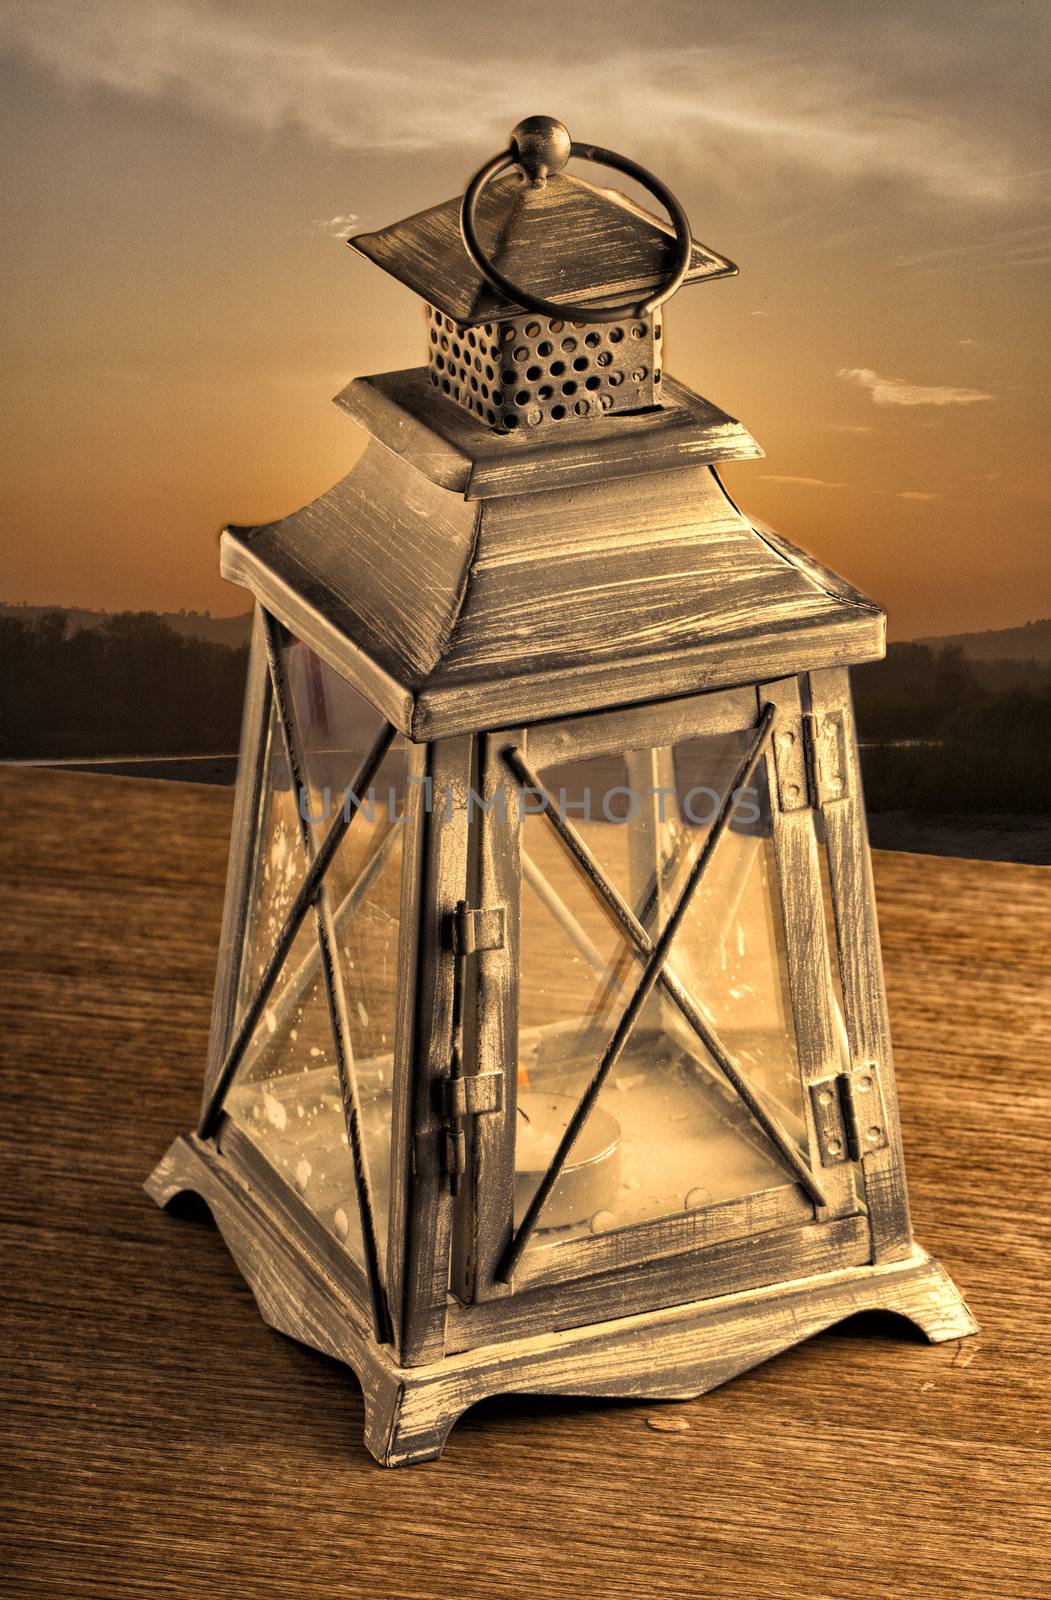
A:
160, 1441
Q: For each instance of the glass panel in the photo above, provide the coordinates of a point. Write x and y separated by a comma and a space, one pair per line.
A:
287, 1092
278, 871
667, 1133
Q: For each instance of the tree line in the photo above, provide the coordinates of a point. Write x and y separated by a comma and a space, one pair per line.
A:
946, 735
131, 686
942, 734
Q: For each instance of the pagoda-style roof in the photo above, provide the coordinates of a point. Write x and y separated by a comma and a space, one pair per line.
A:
561, 587
564, 239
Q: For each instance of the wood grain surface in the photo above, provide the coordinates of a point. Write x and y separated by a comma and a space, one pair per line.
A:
563, 238
158, 1440
452, 618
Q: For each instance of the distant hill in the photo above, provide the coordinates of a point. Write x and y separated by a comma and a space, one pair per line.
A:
126, 685
1030, 642
231, 631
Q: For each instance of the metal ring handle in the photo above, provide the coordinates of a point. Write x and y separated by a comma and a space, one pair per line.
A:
571, 311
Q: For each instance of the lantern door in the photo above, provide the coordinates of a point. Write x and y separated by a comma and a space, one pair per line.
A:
664, 1005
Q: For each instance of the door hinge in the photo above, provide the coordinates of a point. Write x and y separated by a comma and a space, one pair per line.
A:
791, 766
810, 761
828, 770
472, 1095
849, 1115
477, 928
467, 1094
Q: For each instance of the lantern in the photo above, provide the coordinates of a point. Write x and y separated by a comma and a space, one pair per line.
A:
549, 1049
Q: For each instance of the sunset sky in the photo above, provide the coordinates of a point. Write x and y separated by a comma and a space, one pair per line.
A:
180, 305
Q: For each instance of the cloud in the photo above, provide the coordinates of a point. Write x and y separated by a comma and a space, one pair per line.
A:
753, 108
808, 483
336, 227
899, 392
916, 494
1012, 247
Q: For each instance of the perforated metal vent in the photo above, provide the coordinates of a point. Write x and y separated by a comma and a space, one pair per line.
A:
527, 371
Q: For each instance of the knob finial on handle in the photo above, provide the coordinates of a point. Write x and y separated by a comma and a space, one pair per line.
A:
540, 147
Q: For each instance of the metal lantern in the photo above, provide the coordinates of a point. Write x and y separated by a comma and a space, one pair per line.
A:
549, 1049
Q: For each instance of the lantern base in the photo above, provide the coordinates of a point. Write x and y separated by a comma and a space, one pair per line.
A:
673, 1354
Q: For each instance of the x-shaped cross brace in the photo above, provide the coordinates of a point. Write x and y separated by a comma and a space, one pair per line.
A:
655, 971
313, 892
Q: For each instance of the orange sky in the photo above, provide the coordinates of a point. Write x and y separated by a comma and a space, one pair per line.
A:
181, 307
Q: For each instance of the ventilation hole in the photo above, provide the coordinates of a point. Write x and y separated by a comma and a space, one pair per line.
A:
569, 388
471, 340
639, 374
474, 383
531, 330
592, 339
569, 345
434, 336
533, 373
507, 377
582, 408
489, 329
657, 375
616, 379
593, 382
605, 400
556, 326
544, 392
489, 373
603, 358
485, 390
616, 335
490, 416
580, 364
434, 379
557, 413
457, 352
444, 342
557, 368
638, 331
545, 348
498, 397
522, 397
520, 353
445, 386
439, 362
510, 420
507, 334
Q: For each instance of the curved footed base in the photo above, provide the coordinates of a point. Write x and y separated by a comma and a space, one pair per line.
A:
673, 1354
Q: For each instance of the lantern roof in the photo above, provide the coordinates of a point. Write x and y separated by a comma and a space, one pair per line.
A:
465, 580
565, 238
